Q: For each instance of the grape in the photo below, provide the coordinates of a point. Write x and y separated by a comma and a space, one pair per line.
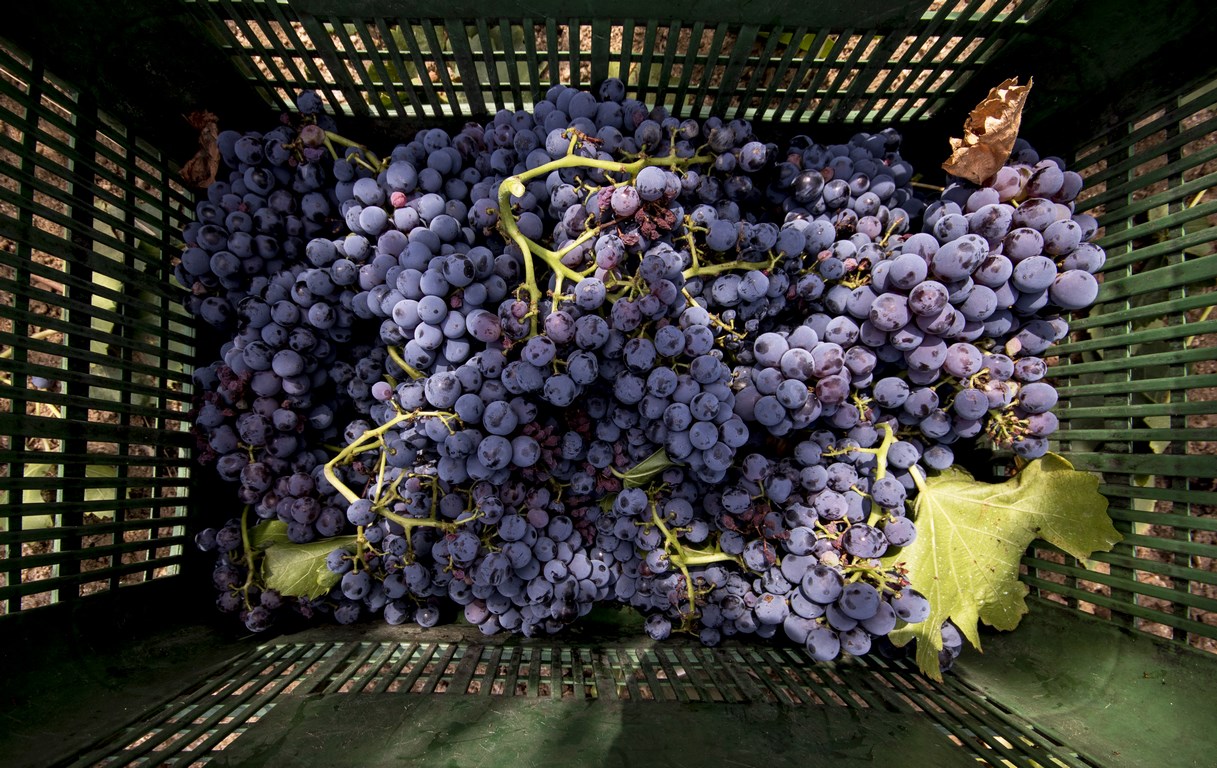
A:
1074, 289
626, 201
1042, 424
822, 584
907, 270
970, 404
962, 360
823, 643
771, 609
928, 298
1023, 243
991, 220
1030, 447
1029, 369
887, 493
863, 541
589, 293
1037, 397
356, 584
651, 182
859, 600
928, 356
1062, 237
856, 642
1035, 213
980, 303
722, 235
910, 606
1087, 257
939, 457
1033, 274
890, 312
958, 258
900, 531
810, 306
427, 616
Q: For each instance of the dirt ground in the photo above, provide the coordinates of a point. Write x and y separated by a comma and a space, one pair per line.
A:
39, 296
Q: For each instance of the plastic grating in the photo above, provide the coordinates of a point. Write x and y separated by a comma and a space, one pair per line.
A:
201, 722
813, 65
95, 349
1139, 376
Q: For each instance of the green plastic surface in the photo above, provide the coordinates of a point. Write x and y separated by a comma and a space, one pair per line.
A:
446, 732
1061, 690
1122, 698
90, 201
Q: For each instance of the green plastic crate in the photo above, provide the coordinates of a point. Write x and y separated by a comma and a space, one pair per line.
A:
112, 654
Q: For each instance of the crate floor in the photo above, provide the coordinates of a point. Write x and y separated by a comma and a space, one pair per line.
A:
464, 703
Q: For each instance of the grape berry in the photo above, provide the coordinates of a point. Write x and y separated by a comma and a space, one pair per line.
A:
598, 354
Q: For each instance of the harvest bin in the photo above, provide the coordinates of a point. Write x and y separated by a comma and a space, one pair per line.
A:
113, 654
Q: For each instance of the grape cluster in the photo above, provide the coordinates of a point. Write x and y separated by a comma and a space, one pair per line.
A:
595, 353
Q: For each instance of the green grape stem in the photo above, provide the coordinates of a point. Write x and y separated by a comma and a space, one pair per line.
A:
714, 319
396, 357
880, 453
368, 441
248, 549
514, 185
371, 440
372, 162
685, 557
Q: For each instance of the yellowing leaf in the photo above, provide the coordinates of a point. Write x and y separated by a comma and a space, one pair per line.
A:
806, 42
972, 534
295, 569
1158, 422
33, 496
1141, 503
989, 133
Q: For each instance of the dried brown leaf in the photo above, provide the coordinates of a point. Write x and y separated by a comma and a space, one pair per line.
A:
988, 133
200, 171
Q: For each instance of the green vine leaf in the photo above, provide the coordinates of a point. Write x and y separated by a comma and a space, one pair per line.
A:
293, 569
267, 534
646, 470
972, 535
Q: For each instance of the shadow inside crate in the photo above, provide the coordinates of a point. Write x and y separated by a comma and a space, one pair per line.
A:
380, 695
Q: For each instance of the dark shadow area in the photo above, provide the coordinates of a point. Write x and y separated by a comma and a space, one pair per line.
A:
77, 673
466, 731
